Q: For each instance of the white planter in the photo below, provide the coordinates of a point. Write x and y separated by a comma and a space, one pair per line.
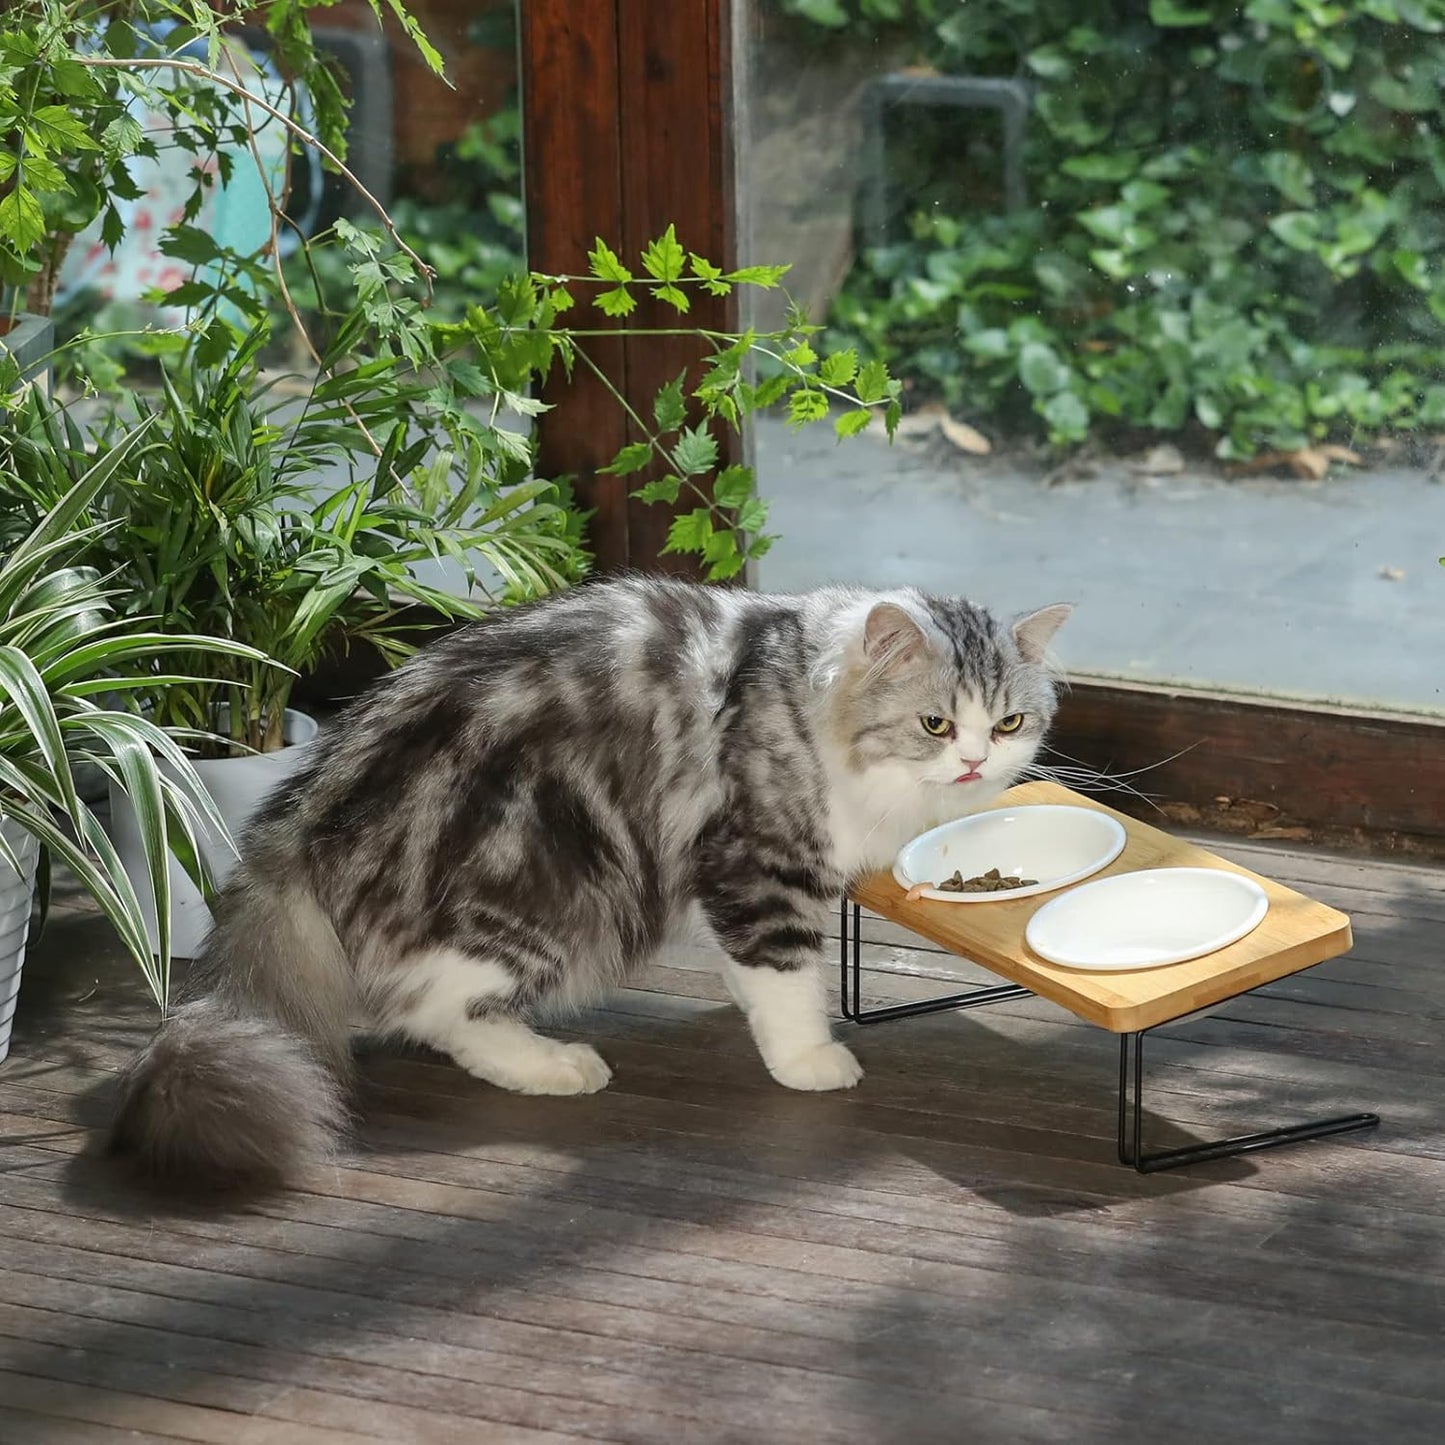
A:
17, 896
238, 786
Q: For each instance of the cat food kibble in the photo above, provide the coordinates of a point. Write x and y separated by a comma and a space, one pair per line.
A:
990, 882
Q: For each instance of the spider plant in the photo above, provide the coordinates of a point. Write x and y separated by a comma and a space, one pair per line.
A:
65, 654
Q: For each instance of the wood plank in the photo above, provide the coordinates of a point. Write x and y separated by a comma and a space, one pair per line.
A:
1168, 1387
1007, 1347
61, 1389
1348, 772
948, 1253
1296, 933
752, 1395
24, 1427
244, 1371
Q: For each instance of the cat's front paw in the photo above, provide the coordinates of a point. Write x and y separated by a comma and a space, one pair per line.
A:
826, 1066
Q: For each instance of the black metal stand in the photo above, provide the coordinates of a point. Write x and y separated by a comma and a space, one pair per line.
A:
852, 990
1131, 1126
1131, 1102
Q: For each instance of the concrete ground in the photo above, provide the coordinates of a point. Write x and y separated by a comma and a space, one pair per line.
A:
1329, 591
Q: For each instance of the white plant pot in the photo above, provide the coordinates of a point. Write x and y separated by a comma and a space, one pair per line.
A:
17, 896
238, 786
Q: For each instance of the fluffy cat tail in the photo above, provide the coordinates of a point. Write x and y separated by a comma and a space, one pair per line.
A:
244, 1086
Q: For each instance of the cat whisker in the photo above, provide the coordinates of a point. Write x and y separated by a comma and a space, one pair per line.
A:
1130, 773
1088, 778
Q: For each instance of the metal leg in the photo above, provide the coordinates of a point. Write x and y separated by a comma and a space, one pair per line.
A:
851, 987
1131, 1117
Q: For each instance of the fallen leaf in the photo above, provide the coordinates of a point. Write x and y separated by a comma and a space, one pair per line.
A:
1181, 812
965, 437
1293, 835
1165, 460
1393, 574
1309, 463
1247, 809
921, 424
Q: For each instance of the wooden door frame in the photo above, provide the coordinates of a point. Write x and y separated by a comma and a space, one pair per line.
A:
627, 120
628, 125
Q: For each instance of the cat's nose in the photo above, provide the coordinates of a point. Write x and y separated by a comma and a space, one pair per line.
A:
971, 765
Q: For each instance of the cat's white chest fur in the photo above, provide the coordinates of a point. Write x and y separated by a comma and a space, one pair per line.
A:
871, 817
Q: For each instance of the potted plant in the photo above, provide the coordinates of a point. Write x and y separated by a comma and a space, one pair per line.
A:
63, 649
263, 518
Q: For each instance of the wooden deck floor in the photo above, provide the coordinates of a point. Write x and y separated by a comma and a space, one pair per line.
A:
948, 1254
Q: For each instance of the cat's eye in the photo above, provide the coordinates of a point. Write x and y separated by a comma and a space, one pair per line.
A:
1010, 724
937, 727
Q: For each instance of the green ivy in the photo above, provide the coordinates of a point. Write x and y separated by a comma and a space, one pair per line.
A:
1234, 220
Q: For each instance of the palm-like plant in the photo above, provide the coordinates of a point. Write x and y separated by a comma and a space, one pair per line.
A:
63, 653
268, 520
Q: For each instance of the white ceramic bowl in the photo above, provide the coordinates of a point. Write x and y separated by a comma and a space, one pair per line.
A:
1145, 919
1054, 844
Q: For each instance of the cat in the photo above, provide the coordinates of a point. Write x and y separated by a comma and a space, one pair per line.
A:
521, 815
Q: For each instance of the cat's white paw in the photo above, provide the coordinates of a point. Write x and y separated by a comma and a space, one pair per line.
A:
825, 1066
541, 1066
568, 1069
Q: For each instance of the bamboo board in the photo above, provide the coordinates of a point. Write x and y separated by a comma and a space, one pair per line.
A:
1296, 933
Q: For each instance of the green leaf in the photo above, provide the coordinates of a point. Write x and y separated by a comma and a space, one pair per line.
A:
892, 416
806, 406
663, 259
668, 407
1172, 13
664, 489
1102, 166
800, 355
829, 13
112, 229
1067, 416
734, 486
674, 298
711, 276
20, 678
605, 263
752, 515
632, 458
191, 245
1041, 370
771, 389
121, 137
850, 423
617, 302
872, 382
695, 452
765, 276
1299, 229
690, 532
22, 222
53, 129
1112, 262
415, 33
1412, 268
720, 552
839, 369
1290, 175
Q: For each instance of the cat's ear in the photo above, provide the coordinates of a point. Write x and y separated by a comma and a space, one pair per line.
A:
891, 637
1035, 630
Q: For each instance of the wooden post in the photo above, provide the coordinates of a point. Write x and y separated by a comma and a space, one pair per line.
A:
625, 113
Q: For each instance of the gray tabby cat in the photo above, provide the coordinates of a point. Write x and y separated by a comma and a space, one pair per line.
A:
522, 814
